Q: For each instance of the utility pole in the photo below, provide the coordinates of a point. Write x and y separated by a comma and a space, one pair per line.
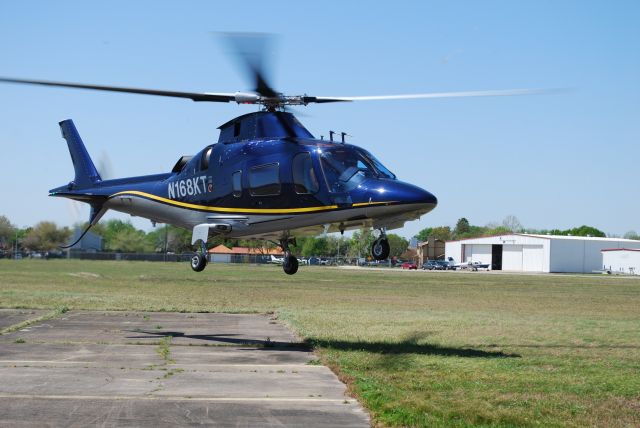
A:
15, 251
166, 232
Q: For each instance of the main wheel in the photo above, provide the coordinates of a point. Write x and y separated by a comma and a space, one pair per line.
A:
290, 265
198, 262
380, 249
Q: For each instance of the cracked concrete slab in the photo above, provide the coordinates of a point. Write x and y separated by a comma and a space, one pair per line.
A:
176, 413
167, 369
141, 328
9, 317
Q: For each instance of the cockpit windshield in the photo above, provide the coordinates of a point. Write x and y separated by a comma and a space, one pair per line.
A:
346, 167
380, 169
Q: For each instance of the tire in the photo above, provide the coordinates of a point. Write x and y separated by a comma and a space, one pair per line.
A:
380, 249
290, 265
198, 262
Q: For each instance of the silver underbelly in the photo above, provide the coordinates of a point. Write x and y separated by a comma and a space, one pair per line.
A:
272, 225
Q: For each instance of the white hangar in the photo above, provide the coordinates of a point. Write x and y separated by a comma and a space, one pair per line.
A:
522, 252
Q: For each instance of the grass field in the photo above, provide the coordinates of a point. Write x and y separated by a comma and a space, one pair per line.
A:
416, 348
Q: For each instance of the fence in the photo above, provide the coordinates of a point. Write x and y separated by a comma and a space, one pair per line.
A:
169, 257
215, 258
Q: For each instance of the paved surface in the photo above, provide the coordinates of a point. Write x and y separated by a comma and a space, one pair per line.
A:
166, 369
9, 317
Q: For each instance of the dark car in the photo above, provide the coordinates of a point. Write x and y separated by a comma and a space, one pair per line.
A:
431, 265
435, 265
409, 265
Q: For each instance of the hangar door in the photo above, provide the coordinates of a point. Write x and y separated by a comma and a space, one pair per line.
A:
524, 258
532, 258
477, 253
512, 257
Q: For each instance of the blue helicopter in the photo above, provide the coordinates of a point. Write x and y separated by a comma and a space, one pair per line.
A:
266, 178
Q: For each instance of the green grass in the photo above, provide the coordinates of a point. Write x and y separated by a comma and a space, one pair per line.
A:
417, 349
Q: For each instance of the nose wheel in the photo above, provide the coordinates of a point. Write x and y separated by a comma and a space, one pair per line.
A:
290, 263
380, 249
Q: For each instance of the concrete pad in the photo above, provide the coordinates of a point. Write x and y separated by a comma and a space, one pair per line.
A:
142, 356
119, 369
176, 413
140, 328
77, 355
9, 317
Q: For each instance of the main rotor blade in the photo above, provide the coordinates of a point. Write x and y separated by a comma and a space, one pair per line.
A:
252, 52
498, 93
195, 96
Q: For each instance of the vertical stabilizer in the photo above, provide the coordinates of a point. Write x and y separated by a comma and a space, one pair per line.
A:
86, 172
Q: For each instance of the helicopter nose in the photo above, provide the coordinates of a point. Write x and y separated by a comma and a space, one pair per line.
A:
410, 194
429, 198
398, 193
425, 197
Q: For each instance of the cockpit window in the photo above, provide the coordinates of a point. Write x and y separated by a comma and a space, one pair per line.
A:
344, 169
380, 169
304, 177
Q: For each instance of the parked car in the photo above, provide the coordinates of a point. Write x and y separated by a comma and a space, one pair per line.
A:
448, 264
436, 265
55, 255
409, 265
431, 265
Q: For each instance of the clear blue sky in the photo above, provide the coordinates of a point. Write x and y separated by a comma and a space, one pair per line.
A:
552, 160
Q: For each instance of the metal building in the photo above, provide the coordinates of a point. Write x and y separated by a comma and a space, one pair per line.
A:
432, 249
621, 260
90, 241
520, 252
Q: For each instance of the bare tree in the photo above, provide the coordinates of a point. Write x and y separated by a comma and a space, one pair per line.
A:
512, 223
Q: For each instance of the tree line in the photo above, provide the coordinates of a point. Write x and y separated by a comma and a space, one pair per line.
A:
122, 236
464, 230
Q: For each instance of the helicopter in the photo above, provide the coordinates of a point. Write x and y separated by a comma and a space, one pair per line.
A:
266, 178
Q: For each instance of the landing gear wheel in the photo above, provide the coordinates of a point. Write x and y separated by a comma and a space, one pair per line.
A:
380, 248
198, 262
290, 265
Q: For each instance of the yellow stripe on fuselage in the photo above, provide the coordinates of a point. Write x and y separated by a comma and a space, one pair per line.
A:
365, 204
239, 210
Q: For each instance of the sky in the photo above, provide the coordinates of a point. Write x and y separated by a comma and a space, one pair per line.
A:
554, 161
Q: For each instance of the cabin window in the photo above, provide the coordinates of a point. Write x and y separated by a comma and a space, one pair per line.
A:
264, 180
204, 162
304, 178
236, 179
